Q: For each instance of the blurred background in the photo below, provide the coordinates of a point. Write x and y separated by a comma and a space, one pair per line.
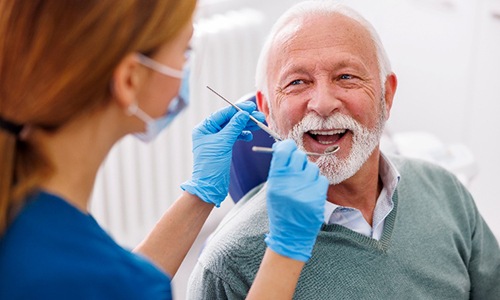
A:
446, 54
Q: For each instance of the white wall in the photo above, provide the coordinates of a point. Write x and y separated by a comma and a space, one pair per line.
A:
482, 122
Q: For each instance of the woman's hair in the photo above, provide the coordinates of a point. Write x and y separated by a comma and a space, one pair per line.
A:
57, 60
317, 8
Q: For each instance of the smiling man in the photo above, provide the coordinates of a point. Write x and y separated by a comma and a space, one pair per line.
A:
394, 228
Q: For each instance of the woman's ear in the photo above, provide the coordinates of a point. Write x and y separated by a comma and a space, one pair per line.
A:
126, 81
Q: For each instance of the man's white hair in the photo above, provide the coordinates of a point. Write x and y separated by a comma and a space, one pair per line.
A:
317, 8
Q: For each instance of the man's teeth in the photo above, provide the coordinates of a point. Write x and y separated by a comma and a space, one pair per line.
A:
331, 132
327, 137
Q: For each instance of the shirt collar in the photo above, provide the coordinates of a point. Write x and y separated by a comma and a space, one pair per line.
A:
389, 175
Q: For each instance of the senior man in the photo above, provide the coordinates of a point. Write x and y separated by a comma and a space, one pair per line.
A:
394, 228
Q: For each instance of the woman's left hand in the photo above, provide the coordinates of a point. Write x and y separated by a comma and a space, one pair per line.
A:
213, 142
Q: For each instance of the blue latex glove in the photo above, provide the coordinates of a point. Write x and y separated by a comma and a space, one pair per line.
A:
296, 195
213, 142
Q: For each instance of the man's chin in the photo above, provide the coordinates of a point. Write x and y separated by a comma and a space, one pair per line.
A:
338, 170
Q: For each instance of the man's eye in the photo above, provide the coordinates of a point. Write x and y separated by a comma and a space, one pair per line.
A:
296, 82
346, 76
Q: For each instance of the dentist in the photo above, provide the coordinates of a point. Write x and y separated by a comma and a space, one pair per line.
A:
77, 76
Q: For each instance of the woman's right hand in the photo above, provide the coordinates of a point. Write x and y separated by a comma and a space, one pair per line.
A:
213, 141
296, 196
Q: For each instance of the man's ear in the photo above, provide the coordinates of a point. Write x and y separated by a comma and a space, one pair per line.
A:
391, 84
262, 103
126, 81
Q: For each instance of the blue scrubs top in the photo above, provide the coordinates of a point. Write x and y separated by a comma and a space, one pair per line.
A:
54, 251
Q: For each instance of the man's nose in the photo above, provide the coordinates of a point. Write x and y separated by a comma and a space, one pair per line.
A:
323, 101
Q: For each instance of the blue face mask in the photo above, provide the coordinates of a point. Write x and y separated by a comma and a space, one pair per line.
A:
155, 126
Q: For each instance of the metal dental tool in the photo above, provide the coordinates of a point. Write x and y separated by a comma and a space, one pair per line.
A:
259, 123
328, 151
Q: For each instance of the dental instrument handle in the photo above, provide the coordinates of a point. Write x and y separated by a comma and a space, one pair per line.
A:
262, 149
275, 136
328, 151
259, 123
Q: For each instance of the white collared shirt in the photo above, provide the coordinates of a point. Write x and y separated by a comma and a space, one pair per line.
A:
353, 219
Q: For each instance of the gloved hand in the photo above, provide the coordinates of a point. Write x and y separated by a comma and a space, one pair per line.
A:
296, 195
213, 141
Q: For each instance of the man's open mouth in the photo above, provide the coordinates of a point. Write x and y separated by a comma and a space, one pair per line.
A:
327, 137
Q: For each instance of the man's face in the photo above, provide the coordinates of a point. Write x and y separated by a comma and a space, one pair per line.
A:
324, 88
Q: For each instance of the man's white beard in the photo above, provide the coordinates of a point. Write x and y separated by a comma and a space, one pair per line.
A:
364, 141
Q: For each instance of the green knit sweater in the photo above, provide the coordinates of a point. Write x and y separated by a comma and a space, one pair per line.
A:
435, 245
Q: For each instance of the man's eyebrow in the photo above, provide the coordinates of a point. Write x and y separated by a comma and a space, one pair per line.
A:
340, 64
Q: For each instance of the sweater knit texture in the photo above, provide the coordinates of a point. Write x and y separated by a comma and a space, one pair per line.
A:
435, 245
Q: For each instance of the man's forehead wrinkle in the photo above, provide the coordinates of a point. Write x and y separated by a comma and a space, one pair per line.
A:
344, 58
293, 44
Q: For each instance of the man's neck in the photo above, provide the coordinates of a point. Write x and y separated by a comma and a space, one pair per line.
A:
361, 190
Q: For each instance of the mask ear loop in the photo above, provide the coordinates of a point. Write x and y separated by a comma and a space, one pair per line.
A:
134, 110
158, 67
